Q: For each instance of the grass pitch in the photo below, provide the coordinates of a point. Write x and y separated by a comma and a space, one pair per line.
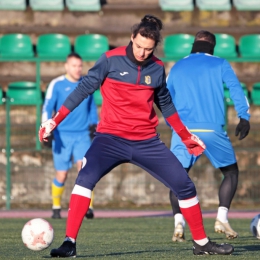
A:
127, 238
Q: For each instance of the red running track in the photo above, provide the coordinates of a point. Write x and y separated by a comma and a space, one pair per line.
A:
119, 213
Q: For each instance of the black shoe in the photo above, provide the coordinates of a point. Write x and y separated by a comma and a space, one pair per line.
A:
211, 248
90, 214
56, 213
67, 249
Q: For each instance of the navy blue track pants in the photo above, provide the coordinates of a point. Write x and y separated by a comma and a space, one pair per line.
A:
108, 151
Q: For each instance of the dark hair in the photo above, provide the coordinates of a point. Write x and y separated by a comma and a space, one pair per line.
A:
205, 36
149, 27
74, 55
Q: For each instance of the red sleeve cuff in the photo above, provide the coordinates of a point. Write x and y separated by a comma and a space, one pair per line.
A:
61, 114
175, 122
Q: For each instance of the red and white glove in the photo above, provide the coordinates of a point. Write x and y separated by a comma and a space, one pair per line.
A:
192, 142
45, 129
48, 126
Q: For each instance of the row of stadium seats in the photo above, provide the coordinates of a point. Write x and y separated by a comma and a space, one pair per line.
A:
52, 46
209, 5
51, 5
94, 5
177, 46
27, 93
91, 46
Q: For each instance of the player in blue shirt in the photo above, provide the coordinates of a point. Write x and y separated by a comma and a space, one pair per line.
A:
72, 137
196, 86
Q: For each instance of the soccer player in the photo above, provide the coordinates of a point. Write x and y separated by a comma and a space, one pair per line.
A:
131, 80
196, 86
72, 136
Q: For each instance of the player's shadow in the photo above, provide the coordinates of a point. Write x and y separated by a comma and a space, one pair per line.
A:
239, 250
121, 253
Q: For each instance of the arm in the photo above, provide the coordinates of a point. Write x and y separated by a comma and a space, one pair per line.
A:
87, 86
93, 117
93, 114
50, 101
239, 99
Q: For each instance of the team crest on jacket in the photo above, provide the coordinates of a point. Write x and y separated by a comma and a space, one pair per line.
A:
147, 80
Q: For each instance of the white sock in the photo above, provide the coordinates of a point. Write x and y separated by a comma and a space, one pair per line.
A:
70, 239
202, 242
178, 218
222, 214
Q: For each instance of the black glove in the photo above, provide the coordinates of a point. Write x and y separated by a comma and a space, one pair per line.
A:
92, 130
48, 144
243, 128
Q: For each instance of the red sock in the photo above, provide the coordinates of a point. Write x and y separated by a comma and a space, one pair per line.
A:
78, 207
191, 211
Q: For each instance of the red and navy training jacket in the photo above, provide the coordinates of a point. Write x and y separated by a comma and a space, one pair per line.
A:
129, 91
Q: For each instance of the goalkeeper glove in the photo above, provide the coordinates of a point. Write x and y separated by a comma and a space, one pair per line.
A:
243, 128
194, 145
48, 126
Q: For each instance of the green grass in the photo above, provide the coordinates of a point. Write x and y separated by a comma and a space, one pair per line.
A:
127, 238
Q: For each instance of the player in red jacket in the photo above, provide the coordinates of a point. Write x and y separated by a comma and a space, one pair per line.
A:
132, 79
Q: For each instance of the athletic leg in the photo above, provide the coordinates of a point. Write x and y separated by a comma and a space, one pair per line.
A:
104, 154
57, 189
62, 146
226, 193
179, 222
154, 157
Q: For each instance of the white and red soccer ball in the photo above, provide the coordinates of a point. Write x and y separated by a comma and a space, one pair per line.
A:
37, 234
255, 226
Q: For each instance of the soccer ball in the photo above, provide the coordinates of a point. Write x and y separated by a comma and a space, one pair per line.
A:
37, 234
255, 226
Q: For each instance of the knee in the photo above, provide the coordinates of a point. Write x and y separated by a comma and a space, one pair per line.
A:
85, 180
230, 170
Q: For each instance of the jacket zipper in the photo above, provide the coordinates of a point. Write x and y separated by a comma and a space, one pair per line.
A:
138, 75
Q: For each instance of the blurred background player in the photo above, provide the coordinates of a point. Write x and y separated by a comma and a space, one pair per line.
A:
72, 138
196, 87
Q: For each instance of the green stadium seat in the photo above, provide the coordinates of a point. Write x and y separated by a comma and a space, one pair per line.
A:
1, 96
177, 46
53, 46
47, 5
19, 5
91, 46
228, 100
16, 46
23, 93
255, 94
225, 46
83, 5
213, 5
249, 46
176, 5
98, 97
247, 5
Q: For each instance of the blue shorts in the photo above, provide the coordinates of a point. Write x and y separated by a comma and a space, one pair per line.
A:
68, 148
108, 151
219, 149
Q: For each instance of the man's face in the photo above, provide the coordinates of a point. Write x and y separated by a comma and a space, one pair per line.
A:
73, 68
142, 47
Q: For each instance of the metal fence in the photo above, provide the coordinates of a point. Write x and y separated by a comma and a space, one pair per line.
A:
31, 170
